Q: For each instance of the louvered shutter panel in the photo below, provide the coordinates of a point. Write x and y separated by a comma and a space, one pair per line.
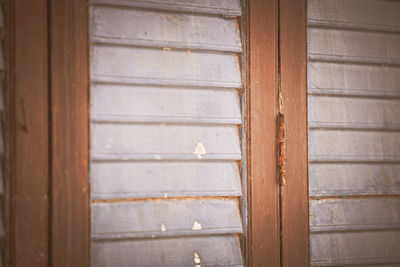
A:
166, 123
354, 132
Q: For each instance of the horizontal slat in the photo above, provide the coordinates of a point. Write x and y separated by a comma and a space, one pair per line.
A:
220, 7
161, 179
353, 79
152, 104
339, 112
165, 217
170, 252
350, 248
143, 141
166, 67
353, 46
354, 179
147, 28
358, 14
334, 145
354, 214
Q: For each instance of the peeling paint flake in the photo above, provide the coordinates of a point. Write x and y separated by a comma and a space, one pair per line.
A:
196, 258
199, 150
163, 228
196, 226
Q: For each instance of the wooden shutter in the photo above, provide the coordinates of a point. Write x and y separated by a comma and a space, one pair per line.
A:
166, 128
354, 138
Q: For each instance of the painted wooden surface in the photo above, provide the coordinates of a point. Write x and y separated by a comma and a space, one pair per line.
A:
353, 248
4, 150
354, 139
263, 248
218, 7
30, 144
367, 14
293, 92
151, 179
157, 142
151, 28
188, 251
165, 133
353, 79
337, 179
164, 104
354, 214
70, 234
165, 217
111, 64
354, 46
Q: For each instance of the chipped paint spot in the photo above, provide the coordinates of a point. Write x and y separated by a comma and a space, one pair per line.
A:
196, 258
165, 195
199, 150
167, 49
196, 226
163, 228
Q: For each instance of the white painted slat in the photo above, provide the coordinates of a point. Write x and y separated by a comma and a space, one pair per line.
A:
172, 252
164, 179
353, 79
362, 14
353, 46
165, 217
148, 141
334, 145
220, 7
354, 179
155, 29
155, 104
167, 67
332, 249
355, 113
354, 214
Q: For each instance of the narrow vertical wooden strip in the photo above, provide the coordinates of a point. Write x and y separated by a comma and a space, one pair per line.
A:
28, 111
294, 194
69, 124
263, 238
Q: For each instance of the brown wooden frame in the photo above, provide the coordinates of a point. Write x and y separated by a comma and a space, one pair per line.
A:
263, 239
278, 213
293, 86
28, 122
47, 111
69, 104
49, 71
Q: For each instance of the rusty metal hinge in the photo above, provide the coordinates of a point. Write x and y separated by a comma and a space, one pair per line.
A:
281, 149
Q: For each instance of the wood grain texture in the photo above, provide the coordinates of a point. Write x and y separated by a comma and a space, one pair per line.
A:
358, 14
166, 217
215, 251
294, 194
263, 238
69, 144
172, 30
29, 101
217, 7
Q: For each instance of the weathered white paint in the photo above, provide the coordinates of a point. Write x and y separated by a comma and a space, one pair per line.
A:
150, 179
143, 27
166, 217
170, 252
